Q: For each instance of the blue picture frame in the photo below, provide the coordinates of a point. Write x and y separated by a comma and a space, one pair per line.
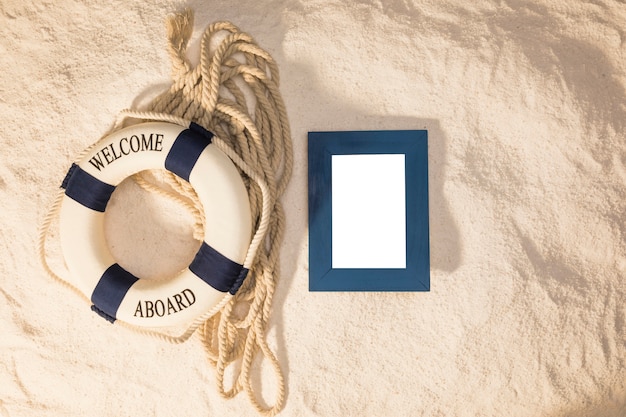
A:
321, 147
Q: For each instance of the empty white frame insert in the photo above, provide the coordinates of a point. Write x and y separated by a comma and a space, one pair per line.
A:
368, 211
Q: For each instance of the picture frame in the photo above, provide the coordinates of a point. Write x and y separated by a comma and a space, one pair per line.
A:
324, 274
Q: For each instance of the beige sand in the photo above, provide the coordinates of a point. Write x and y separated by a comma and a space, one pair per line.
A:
525, 103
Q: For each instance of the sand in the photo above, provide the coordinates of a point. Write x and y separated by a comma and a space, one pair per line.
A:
525, 104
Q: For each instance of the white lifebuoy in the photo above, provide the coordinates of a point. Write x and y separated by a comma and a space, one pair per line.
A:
217, 269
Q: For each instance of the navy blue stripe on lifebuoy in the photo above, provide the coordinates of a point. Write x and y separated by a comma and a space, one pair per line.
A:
217, 270
86, 189
111, 290
187, 149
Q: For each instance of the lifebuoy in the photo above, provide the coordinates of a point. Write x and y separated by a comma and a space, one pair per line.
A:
217, 269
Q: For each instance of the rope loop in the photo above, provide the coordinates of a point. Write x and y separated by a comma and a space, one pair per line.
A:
232, 75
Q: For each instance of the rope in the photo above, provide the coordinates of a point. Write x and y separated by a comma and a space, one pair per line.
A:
234, 93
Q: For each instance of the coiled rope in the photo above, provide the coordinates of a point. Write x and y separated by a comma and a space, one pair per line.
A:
234, 93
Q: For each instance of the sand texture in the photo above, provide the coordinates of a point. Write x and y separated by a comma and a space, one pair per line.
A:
525, 104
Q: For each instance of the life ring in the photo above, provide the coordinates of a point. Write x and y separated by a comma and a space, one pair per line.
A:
217, 269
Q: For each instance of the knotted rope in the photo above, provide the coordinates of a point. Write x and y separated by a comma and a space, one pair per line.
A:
234, 93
